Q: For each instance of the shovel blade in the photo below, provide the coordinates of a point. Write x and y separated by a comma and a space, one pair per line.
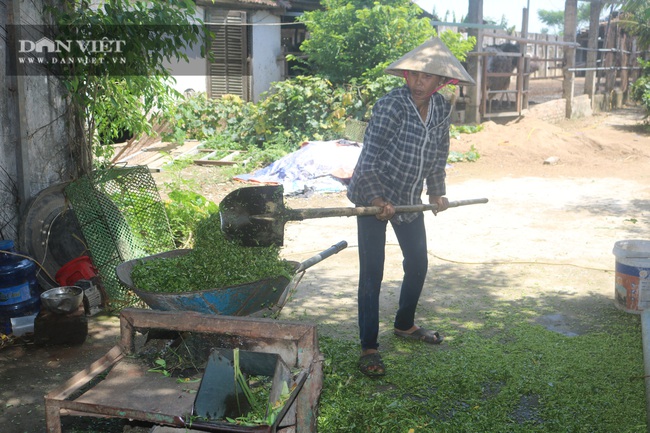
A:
237, 209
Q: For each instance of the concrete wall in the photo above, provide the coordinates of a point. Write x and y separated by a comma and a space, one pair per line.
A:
551, 111
8, 191
266, 50
35, 139
555, 111
610, 101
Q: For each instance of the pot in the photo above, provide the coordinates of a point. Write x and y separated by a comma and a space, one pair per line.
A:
62, 300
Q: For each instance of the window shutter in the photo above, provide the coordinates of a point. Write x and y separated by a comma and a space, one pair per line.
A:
228, 70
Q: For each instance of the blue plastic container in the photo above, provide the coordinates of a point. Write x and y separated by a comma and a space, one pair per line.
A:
19, 289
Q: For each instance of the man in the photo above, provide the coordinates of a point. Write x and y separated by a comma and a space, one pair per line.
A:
406, 144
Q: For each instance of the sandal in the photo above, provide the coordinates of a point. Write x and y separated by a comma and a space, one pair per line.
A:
421, 334
371, 365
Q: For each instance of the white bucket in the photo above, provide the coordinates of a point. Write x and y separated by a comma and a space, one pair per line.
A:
632, 285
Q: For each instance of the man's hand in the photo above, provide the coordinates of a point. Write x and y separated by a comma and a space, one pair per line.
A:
387, 209
441, 201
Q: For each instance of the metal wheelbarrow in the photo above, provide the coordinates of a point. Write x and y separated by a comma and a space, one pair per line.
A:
260, 298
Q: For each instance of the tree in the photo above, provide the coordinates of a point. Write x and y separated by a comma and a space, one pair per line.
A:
359, 38
584, 12
555, 19
503, 23
111, 96
636, 18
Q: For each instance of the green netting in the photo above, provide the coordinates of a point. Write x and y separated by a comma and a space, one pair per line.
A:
122, 218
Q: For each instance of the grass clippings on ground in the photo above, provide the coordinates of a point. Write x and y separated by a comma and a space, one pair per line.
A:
507, 376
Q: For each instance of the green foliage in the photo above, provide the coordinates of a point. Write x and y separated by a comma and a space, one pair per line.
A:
469, 156
456, 130
472, 154
290, 112
553, 19
269, 152
199, 117
213, 263
303, 108
298, 109
358, 39
184, 208
311, 107
458, 44
126, 90
637, 20
584, 12
640, 90
362, 94
241, 380
161, 367
262, 414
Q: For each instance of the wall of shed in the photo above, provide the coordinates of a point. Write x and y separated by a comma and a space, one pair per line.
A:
37, 156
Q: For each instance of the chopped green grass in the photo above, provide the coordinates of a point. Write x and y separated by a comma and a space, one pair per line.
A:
213, 263
508, 376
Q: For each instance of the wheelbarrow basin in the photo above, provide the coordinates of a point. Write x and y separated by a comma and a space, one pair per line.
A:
256, 298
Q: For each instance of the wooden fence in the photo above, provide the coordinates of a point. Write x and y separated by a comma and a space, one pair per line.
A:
616, 67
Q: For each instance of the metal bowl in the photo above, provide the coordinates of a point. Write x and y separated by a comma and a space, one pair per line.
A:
62, 300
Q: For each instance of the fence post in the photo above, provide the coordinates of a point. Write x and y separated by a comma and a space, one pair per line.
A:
570, 22
472, 110
592, 44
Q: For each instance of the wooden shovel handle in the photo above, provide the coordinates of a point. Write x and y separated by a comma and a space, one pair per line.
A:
301, 214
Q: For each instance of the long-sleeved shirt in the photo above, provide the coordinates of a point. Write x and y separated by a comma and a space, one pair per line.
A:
401, 151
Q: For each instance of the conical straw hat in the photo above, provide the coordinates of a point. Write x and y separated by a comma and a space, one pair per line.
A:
432, 57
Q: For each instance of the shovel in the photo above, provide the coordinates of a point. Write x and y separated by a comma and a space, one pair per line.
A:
256, 215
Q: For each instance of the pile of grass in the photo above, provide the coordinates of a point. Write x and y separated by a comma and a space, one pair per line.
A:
213, 263
508, 375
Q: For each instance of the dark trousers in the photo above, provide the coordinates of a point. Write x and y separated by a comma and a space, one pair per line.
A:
372, 241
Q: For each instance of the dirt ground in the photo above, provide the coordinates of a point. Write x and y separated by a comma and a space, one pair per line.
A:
547, 231
545, 236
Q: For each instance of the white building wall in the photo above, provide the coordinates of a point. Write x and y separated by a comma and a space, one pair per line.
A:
267, 48
264, 65
192, 75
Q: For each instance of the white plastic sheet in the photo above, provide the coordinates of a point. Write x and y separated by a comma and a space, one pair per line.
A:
319, 166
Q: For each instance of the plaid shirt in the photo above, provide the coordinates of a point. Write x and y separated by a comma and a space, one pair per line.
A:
400, 152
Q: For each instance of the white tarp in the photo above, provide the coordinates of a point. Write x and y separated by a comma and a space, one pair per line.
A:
320, 166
